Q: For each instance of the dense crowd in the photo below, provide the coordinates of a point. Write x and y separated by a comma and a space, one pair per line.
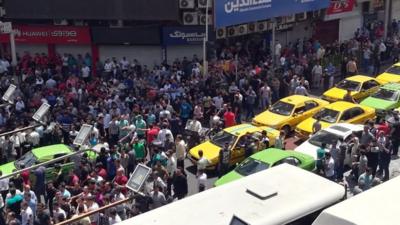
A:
140, 112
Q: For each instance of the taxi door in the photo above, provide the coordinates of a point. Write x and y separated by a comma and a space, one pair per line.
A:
237, 151
367, 89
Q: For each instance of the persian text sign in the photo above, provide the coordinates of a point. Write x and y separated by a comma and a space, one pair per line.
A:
233, 12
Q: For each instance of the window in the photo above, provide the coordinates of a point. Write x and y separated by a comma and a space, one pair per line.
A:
299, 110
290, 160
310, 105
369, 84
346, 115
356, 112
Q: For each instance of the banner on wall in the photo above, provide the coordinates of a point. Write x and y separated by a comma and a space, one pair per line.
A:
340, 6
49, 35
233, 12
186, 35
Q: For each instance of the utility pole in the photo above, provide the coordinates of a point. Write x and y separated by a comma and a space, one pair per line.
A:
387, 14
205, 40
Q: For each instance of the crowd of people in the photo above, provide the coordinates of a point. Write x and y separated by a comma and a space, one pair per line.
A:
139, 115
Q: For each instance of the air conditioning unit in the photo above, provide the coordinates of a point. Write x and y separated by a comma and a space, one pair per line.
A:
203, 3
221, 33
202, 19
60, 22
251, 27
262, 26
190, 18
290, 19
116, 23
242, 29
79, 23
2, 11
301, 16
231, 31
186, 4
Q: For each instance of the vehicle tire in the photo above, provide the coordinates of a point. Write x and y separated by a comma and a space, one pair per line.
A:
287, 129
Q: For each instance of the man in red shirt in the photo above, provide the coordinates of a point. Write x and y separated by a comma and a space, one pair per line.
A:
229, 118
120, 180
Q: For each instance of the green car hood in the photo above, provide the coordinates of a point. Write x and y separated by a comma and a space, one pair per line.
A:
229, 177
7, 168
379, 103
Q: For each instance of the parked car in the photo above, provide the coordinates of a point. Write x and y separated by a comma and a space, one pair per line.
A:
266, 159
235, 137
288, 112
337, 112
360, 86
390, 75
329, 135
385, 99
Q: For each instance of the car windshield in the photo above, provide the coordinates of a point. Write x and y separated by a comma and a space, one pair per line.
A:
323, 136
250, 166
349, 85
327, 115
223, 137
394, 70
26, 160
282, 108
388, 95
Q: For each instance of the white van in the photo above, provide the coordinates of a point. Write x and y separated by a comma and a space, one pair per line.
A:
280, 195
377, 206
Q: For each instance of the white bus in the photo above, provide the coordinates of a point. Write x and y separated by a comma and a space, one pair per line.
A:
280, 195
377, 206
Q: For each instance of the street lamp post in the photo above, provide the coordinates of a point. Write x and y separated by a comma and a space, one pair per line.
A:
205, 40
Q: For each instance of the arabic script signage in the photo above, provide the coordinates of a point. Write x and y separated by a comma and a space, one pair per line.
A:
49, 35
233, 12
340, 6
185, 35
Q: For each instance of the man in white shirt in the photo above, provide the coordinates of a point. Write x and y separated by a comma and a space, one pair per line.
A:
329, 166
316, 75
158, 198
180, 151
202, 163
85, 72
26, 214
278, 50
19, 105
124, 64
165, 134
218, 101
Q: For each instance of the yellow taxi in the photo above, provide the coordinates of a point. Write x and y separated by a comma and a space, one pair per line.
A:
288, 112
390, 75
360, 86
235, 137
337, 112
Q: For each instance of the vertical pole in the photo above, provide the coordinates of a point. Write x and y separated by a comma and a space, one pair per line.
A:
273, 46
386, 23
14, 55
205, 40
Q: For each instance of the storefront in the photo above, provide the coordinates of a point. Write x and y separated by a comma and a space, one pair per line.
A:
141, 43
49, 40
182, 41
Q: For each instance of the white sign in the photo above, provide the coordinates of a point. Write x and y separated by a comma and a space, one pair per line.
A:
5, 28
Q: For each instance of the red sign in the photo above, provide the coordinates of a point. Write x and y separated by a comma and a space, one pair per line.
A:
49, 35
340, 6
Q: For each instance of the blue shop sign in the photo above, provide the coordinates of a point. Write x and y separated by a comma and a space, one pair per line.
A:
233, 12
185, 35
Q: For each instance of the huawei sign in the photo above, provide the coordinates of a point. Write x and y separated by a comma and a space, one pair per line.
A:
340, 6
50, 35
